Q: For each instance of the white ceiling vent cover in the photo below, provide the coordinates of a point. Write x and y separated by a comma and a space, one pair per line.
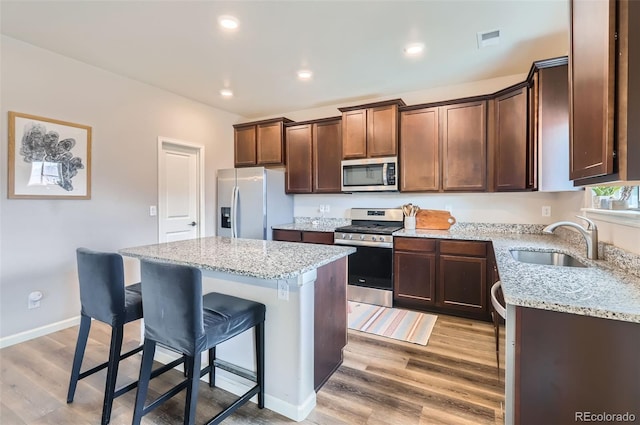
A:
488, 38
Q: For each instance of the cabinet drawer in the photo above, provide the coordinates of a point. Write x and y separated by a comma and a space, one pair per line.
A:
478, 249
414, 244
325, 238
287, 235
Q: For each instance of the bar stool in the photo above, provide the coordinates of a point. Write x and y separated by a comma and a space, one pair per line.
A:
104, 297
180, 318
497, 301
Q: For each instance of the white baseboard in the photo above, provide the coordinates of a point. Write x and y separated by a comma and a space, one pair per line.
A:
35, 333
238, 386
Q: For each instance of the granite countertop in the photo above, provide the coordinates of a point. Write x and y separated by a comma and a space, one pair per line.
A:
600, 290
245, 257
314, 224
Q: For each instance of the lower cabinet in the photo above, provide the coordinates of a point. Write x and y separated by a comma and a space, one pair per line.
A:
571, 368
330, 305
325, 238
447, 276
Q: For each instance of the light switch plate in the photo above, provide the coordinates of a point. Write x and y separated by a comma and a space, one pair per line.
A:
153, 211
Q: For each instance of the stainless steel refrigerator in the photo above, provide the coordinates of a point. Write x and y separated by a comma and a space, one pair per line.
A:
250, 201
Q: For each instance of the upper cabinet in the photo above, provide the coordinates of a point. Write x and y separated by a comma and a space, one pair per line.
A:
511, 157
444, 147
313, 152
370, 130
604, 69
463, 134
259, 143
419, 150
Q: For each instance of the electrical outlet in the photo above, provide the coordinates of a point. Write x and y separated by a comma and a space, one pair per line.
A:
153, 211
327, 208
546, 211
283, 291
33, 301
448, 208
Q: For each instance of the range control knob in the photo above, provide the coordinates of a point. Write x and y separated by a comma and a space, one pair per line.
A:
344, 236
361, 237
350, 236
373, 238
381, 238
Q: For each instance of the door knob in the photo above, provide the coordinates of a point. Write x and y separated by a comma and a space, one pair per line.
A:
193, 223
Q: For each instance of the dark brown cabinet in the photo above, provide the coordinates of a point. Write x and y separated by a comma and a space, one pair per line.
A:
511, 157
447, 276
327, 154
260, 143
463, 136
313, 152
604, 91
462, 276
299, 159
414, 265
419, 150
566, 364
325, 238
370, 130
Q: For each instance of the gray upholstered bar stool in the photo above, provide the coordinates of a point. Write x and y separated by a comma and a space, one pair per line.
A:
104, 297
179, 317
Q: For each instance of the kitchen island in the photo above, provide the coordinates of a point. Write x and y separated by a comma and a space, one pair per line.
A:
293, 281
572, 333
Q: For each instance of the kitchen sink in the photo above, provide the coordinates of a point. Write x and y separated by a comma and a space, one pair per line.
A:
545, 258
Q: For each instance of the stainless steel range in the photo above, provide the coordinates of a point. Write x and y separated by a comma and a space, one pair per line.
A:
371, 267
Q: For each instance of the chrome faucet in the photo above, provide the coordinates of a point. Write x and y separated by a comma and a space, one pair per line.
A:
590, 234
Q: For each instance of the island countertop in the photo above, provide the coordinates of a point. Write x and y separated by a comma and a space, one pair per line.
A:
599, 290
245, 257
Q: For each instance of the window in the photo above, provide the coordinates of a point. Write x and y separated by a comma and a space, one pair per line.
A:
614, 204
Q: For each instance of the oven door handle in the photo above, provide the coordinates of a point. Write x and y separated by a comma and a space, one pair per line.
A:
385, 245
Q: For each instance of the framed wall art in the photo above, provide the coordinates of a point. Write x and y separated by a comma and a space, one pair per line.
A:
48, 158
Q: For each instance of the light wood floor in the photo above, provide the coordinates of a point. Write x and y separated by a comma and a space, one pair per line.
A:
453, 380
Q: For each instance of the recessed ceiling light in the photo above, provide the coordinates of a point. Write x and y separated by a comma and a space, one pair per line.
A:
414, 49
228, 22
305, 74
226, 93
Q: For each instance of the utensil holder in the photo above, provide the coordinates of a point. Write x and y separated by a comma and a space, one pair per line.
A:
410, 222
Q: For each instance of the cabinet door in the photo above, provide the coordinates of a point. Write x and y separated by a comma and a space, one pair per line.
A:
462, 283
382, 131
464, 146
327, 154
287, 235
270, 144
324, 238
414, 279
419, 150
592, 88
511, 156
298, 154
354, 134
245, 146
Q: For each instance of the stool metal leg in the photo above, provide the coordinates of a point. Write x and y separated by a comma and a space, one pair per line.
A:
81, 344
212, 368
260, 362
192, 390
117, 333
148, 352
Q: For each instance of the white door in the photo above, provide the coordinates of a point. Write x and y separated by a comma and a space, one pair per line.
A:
180, 190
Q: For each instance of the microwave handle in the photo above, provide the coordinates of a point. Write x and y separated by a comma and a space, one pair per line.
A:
384, 174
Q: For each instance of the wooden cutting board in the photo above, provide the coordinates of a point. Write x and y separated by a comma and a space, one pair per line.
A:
434, 220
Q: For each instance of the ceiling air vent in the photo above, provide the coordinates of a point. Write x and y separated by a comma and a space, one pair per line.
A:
488, 38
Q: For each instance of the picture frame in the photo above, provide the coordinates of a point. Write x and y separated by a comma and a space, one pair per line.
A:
48, 158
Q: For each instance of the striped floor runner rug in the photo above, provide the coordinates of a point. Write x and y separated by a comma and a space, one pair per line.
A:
395, 323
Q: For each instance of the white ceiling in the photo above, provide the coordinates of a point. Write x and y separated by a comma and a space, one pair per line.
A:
354, 48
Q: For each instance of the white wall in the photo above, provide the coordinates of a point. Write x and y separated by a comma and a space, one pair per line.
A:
39, 237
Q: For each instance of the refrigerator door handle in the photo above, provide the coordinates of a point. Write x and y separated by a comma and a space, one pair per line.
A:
234, 212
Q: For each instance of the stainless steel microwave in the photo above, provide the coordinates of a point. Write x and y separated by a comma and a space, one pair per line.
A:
370, 175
